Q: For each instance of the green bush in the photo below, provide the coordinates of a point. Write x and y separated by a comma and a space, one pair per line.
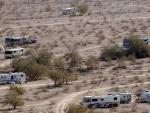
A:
137, 49
79, 109
112, 53
13, 99
83, 8
18, 89
92, 63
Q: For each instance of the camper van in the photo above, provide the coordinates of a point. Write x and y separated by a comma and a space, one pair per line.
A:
12, 40
145, 97
101, 102
17, 78
69, 11
11, 53
125, 97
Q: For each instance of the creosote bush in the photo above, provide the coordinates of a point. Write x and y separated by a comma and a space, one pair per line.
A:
18, 89
137, 48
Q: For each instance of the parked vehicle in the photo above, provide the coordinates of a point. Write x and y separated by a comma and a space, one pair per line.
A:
12, 40
145, 97
69, 11
101, 102
125, 97
11, 53
13, 78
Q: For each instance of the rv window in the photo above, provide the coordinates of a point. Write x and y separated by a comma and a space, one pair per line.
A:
21, 75
1, 76
14, 51
8, 52
22, 50
94, 100
102, 99
115, 98
86, 99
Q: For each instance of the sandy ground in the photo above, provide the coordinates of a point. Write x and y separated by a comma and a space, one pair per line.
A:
106, 23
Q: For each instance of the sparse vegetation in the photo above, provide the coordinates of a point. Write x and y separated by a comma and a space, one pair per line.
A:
137, 48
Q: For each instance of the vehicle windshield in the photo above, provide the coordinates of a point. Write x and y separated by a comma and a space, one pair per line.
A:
86, 99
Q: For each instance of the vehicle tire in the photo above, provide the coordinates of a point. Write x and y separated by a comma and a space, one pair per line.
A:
110, 105
115, 105
90, 106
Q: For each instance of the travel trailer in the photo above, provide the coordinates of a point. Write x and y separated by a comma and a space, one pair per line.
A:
69, 11
145, 97
17, 78
12, 40
125, 97
101, 102
11, 53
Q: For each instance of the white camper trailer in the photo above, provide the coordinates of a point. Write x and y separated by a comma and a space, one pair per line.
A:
13, 40
13, 78
101, 102
11, 53
125, 97
69, 11
145, 97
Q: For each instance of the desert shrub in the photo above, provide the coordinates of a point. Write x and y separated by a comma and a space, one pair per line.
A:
79, 109
59, 64
112, 53
92, 63
73, 60
137, 49
83, 8
18, 89
33, 70
44, 57
13, 99
59, 77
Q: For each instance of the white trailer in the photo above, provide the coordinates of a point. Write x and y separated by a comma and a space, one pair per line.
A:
18, 77
69, 11
145, 97
125, 97
11, 53
101, 102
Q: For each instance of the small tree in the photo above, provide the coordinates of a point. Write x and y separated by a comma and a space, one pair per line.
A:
83, 8
73, 59
59, 64
44, 57
92, 63
13, 99
18, 89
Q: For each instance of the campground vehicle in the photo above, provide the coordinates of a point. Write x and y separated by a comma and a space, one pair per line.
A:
101, 102
13, 78
125, 97
11, 53
12, 40
145, 97
69, 11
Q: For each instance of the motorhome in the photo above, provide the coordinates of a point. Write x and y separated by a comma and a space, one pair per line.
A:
12, 40
69, 11
145, 97
18, 77
101, 102
11, 53
125, 97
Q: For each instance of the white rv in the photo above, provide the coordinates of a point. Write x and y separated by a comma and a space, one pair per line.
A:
69, 11
101, 102
13, 78
125, 97
11, 53
145, 97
